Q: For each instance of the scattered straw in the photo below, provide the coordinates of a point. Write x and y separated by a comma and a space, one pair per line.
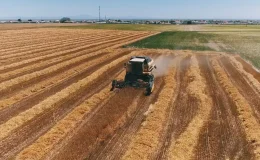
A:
45, 143
183, 147
249, 76
249, 123
48, 103
147, 138
6, 102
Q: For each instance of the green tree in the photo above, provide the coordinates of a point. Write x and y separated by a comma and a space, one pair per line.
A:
189, 22
64, 19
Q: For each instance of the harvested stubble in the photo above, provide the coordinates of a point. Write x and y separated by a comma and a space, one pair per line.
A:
60, 59
48, 41
147, 138
31, 113
60, 53
67, 46
244, 110
59, 41
38, 37
7, 84
183, 147
46, 142
254, 82
4, 103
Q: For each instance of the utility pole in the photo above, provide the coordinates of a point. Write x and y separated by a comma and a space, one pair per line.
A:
99, 14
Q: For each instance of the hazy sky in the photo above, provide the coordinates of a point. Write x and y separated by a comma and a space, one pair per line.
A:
246, 9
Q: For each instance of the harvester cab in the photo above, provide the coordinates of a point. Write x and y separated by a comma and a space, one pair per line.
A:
138, 74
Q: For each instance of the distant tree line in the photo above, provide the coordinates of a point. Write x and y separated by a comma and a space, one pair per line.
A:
65, 19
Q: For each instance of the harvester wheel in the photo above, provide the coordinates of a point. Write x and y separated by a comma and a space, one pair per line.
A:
114, 82
149, 90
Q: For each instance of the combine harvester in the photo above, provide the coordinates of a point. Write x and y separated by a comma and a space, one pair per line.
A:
138, 74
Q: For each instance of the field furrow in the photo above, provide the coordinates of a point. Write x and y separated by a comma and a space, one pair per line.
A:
248, 68
223, 135
25, 99
29, 114
59, 52
63, 102
56, 103
245, 89
180, 105
183, 147
245, 111
123, 136
19, 82
35, 65
146, 140
20, 41
45, 50
58, 39
49, 134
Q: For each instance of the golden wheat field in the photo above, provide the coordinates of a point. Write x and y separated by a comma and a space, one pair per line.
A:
55, 100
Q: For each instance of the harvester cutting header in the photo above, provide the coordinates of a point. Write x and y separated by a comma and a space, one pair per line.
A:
138, 74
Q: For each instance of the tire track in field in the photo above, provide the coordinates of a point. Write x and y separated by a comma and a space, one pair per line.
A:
35, 98
29, 79
223, 136
242, 85
32, 129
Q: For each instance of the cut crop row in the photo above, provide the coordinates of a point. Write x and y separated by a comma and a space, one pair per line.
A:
22, 100
55, 67
49, 50
183, 147
248, 121
147, 138
29, 114
57, 45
